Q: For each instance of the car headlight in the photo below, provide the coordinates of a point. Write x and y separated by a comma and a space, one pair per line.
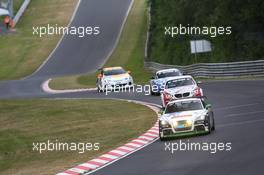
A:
155, 82
164, 123
201, 117
189, 122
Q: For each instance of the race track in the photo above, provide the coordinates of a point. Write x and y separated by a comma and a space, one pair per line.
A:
238, 105
76, 55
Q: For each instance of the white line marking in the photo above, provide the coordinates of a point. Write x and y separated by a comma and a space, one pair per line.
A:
121, 157
240, 114
89, 165
77, 170
45, 87
126, 148
134, 144
150, 134
138, 146
140, 141
58, 44
118, 152
100, 161
241, 123
155, 131
109, 156
236, 106
147, 138
119, 34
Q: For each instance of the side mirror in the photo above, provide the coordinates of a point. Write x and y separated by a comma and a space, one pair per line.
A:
99, 76
161, 111
152, 78
208, 106
129, 72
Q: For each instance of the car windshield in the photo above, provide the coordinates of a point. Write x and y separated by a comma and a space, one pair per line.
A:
114, 72
168, 74
179, 82
184, 106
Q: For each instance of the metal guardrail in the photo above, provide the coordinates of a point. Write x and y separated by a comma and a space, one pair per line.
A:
207, 70
204, 70
21, 11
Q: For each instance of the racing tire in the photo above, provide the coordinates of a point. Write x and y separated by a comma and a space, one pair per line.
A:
213, 127
154, 93
161, 138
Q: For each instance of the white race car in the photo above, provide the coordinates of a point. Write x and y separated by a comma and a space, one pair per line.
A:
113, 77
189, 116
180, 87
157, 82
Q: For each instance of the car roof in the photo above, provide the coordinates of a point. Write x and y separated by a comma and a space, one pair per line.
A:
185, 99
168, 70
112, 68
179, 77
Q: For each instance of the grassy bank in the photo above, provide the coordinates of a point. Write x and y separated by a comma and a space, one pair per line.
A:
107, 122
22, 53
129, 52
244, 43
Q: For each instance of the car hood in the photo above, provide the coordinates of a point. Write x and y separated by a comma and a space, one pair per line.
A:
117, 77
182, 89
160, 81
177, 116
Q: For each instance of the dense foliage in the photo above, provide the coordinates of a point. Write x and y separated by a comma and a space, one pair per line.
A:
246, 17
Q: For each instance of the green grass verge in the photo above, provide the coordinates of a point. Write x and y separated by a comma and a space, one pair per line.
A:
22, 53
129, 52
17, 5
22, 122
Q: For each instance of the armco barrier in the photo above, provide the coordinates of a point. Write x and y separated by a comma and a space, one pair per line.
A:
233, 69
21, 11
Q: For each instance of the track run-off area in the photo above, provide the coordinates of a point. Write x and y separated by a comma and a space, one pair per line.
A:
238, 104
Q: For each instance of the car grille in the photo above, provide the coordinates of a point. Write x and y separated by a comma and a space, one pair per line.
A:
121, 85
199, 128
187, 94
182, 122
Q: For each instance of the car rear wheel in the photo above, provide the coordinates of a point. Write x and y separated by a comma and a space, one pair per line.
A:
211, 125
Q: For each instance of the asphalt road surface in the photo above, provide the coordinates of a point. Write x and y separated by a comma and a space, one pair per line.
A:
76, 55
238, 105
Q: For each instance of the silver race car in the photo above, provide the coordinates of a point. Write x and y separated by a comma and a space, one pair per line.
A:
157, 83
187, 116
180, 87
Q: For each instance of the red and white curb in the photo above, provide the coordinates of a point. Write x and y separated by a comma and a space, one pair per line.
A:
46, 88
112, 156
